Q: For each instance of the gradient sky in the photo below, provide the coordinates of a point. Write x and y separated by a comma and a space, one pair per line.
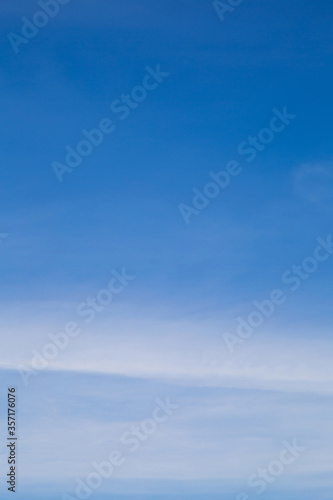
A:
163, 335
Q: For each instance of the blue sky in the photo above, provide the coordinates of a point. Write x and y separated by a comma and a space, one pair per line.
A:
163, 335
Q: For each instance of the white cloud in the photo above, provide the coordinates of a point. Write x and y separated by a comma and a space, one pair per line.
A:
187, 354
314, 182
